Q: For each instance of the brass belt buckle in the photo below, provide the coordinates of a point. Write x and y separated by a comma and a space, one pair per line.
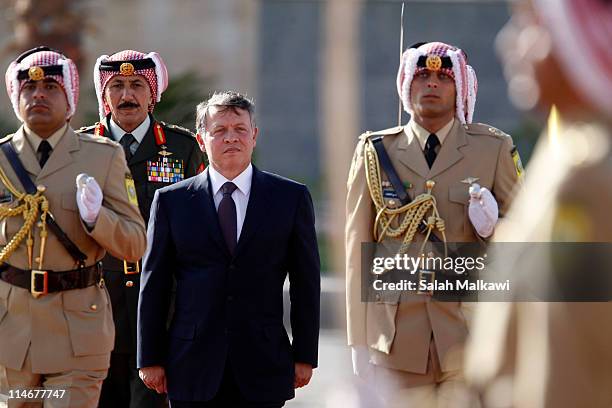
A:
130, 268
45, 281
430, 278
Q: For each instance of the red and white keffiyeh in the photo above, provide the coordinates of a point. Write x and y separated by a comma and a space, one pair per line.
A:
582, 37
462, 73
68, 78
156, 77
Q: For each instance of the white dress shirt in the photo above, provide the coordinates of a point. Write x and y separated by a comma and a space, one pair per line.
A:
138, 133
422, 134
35, 140
240, 195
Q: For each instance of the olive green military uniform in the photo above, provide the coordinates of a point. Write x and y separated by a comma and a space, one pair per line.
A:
124, 288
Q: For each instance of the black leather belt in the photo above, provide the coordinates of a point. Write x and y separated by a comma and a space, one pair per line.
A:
42, 282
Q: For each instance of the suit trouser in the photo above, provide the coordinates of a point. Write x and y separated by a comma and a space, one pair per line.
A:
435, 388
123, 387
82, 387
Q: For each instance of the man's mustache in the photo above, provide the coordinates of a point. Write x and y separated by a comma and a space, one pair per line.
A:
128, 105
38, 104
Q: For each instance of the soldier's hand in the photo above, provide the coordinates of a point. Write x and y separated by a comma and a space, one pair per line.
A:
303, 374
88, 197
154, 378
483, 210
361, 361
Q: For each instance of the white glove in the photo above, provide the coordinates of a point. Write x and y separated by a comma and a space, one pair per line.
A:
361, 360
483, 210
88, 198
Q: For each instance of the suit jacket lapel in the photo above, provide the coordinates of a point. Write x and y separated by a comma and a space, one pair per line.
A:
25, 152
256, 209
202, 198
412, 155
449, 151
61, 156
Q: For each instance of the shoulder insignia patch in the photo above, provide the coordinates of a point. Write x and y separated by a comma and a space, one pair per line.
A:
391, 131
176, 128
484, 129
496, 131
130, 188
518, 164
86, 129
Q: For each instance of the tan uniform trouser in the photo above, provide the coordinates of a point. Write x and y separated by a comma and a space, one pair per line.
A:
82, 387
434, 389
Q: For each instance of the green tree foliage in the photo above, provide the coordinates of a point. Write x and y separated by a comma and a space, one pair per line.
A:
179, 101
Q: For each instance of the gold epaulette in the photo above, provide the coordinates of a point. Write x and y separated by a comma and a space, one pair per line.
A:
177, 128
390, 131
484, 130
86, 129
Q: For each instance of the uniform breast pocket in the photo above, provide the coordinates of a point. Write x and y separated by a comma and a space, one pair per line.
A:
6, 203
5, 290
68, 220
69, 201
457, 219
90, 321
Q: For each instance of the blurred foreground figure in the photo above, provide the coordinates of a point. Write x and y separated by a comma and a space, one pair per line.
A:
556, 354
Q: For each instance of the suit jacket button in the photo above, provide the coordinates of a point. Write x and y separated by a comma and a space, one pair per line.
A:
129, 284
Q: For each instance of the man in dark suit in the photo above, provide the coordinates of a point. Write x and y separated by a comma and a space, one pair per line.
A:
229, 236
128, 84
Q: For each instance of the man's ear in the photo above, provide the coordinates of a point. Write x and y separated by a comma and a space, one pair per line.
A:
255, 133
200, 142
67, 116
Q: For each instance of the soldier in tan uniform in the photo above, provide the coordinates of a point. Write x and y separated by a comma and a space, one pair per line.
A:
410, 348
556, 354
56, 327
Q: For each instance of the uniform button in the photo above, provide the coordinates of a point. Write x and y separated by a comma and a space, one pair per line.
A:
129, 284
93, 307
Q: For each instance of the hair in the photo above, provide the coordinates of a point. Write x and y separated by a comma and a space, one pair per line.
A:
224, 100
